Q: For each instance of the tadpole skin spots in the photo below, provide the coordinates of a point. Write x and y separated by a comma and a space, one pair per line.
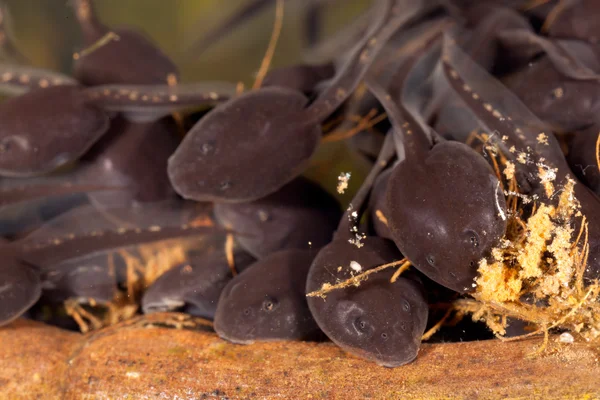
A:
66, 238
267, 301
380, 321
46, 128
302, 78
129, 58
271, 147
20, 287
16, 79
132, 155
195, 286
300, 215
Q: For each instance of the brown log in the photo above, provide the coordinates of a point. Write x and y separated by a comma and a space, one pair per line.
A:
146, 358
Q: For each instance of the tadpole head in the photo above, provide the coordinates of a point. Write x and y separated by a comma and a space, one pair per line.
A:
44, 129
267, 301
20, 288
195, 286
380, 321
128, 58
133, 155
447, 213
245, 149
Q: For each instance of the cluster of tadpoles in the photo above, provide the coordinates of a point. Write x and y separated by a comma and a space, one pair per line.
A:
483, 194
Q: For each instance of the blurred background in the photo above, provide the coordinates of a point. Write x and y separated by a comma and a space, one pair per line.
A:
47, 32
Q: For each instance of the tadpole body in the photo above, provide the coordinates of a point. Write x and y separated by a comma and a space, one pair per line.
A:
267, 301
300, 215
195, 286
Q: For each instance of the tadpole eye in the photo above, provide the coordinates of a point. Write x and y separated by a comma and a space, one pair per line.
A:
431, 260
247, 311
361, 325
384, 336
473, 238
5, 145
405, 306
269, 305
225, 185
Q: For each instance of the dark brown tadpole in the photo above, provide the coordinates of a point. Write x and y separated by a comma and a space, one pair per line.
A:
133, 156
18, 79
47, 128
117, 56
194, 287
300, 215
60, 255
65, 237
535, 150
573, 58
267, 302
379, 320
561, 85
574, 19
251, 146
445, 205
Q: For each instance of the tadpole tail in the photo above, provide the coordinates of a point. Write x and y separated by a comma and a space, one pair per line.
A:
358, 203
20, 288
8, 49
89, 23
240, 16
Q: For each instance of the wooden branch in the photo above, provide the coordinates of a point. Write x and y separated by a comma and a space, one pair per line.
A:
146, 358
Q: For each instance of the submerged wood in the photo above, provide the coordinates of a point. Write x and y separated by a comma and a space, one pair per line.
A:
172, 356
